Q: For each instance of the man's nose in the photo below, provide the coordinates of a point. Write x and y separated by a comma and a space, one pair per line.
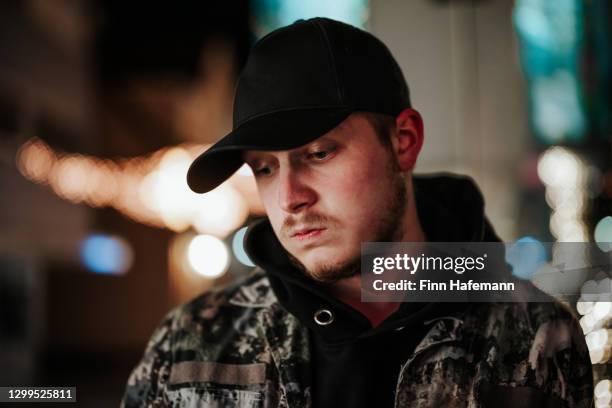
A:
294, 194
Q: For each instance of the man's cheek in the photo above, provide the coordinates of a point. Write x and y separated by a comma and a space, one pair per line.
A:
363, 182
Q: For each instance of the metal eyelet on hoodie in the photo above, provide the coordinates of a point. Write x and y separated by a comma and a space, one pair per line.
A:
323, 317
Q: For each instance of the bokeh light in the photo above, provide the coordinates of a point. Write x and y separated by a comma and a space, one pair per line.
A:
559, 167
603, 388
35, 160
603, 234
165, 190
238, 247
272, 14
208, 256
150, 189
106, 254
220, 211
601, 310
526, 256
565, 177
245, 170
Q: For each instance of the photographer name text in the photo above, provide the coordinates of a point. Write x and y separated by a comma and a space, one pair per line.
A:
451, 285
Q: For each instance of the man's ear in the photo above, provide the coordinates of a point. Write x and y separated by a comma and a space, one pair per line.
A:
409, 138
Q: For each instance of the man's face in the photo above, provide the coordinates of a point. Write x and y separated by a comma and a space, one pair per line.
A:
323, 199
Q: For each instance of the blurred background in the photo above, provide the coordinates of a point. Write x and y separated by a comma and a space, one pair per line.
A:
103, 105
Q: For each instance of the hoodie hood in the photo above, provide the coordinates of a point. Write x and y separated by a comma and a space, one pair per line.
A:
450, 209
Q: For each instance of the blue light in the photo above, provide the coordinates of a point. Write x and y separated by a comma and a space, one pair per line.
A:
603, 234
238, 247
526, 256
106, 254
272, 14
551, 44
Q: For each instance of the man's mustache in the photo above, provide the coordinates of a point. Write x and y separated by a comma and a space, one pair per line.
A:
310, 221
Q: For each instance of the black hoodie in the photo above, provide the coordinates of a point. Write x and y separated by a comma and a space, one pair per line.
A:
355, 365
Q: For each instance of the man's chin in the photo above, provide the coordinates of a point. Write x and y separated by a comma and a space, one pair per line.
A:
331, 276
332, 271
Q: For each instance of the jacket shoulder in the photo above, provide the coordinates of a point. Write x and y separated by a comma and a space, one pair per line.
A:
220, 326
208, 327
252, 291
537, 345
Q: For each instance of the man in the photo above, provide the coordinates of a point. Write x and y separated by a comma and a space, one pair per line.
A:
323, 117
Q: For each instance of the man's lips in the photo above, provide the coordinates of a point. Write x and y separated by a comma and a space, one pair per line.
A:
307, 233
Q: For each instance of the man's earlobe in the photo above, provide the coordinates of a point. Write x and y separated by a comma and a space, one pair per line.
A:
409, 127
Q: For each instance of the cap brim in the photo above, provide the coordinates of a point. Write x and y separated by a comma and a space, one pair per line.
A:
283, 130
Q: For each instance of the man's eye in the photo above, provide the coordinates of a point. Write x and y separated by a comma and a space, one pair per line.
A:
263, 171
319, 155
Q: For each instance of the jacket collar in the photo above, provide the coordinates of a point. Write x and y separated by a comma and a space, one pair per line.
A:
287, 339
443, 329
255, 293
289, 347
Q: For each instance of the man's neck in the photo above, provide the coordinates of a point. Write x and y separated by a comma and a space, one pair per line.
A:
348, 290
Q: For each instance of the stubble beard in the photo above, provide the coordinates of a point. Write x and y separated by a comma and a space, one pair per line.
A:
389, 228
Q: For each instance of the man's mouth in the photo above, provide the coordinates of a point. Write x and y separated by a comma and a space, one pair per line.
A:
307, 233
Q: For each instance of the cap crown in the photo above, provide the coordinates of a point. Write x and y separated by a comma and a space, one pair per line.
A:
319, 63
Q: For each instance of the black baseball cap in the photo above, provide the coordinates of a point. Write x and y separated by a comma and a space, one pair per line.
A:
300, 82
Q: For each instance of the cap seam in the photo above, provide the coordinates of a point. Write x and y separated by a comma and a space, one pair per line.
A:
332, 60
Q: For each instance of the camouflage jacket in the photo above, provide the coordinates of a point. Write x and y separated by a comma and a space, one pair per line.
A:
237, 347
